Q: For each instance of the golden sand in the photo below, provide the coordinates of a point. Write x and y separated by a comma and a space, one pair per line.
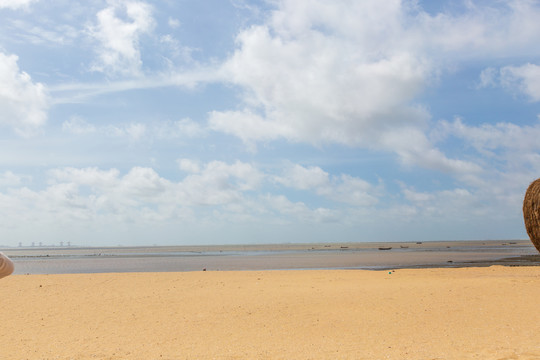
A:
468, 313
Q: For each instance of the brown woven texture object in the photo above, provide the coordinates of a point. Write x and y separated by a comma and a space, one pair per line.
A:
531, 212
6, 266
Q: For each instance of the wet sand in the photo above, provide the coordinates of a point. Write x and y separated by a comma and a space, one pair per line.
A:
451, 313
272, 257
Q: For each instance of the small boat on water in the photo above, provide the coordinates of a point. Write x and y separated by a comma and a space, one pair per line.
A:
385, 248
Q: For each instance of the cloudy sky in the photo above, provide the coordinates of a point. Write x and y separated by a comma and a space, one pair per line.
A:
243, 121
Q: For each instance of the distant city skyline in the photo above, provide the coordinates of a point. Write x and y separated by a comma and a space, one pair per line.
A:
229, 122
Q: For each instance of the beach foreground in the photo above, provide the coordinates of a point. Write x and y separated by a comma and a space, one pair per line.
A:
464, 313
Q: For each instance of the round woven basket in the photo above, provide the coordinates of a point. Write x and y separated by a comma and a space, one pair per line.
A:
531, 212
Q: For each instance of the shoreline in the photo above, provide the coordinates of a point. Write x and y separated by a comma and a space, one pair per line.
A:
366, 256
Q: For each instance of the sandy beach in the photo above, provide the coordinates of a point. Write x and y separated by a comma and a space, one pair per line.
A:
453, 313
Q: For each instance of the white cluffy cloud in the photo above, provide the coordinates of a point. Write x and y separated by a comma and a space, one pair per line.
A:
344, 188
315, 73
23, 103
350, 72
525, 79
118, 30
308, 90
512, 154
77, 125
217, 193
218, 182
215, 190
15, 4
8, 178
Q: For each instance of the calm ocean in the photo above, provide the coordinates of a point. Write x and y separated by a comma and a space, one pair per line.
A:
373, 256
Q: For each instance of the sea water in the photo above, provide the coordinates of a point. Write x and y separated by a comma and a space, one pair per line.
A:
268, 257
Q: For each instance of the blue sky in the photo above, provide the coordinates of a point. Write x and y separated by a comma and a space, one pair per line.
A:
207, 122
